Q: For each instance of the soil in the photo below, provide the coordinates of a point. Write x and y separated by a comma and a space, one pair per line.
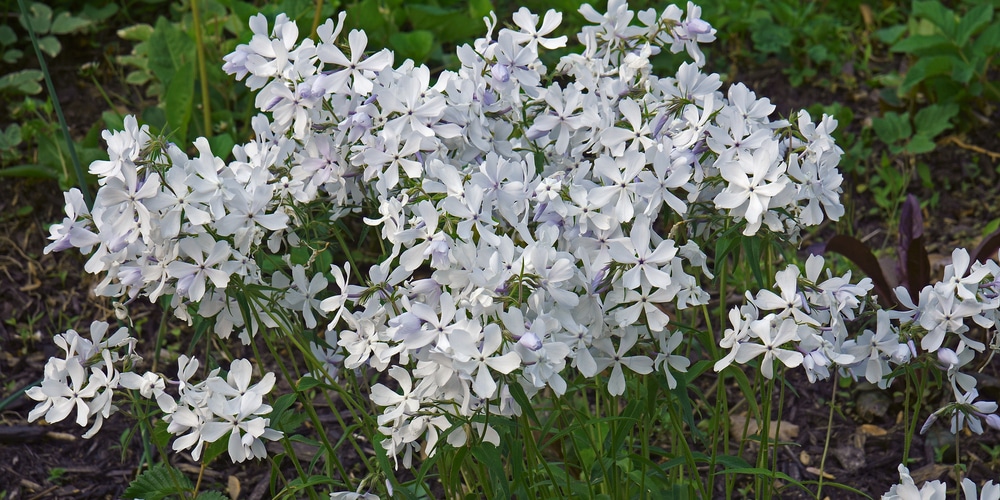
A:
41, 295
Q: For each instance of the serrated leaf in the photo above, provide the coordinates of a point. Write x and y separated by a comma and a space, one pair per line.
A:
50, 45
170, 50
65, 23
920, 44
979, 16
160, 481
892, 127
934, 119
919, 144
212, 495
988, 41
941, 16
924, 68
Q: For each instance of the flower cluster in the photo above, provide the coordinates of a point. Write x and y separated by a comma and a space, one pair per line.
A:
806, 324
535, 221
84, 380
936, 490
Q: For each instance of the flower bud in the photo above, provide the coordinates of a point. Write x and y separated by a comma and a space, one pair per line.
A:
993, 420
530, 341
927, 424
947, 357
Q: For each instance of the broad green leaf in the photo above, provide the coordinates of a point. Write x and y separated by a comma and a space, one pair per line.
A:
988, 42
891, 34
480, 8
160, 481
25, 81
11, 137
979, 16
39, 17
212, 495
12, 56
222, 145
170, 49
50, 45
214, 450
924, 68
97, 14
137, 32
7, 35
179, 102
415, 45
920, 144
65, 23
941, 16
30, 171
920, 44
935, 119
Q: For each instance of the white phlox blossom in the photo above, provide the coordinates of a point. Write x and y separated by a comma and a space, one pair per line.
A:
536, 224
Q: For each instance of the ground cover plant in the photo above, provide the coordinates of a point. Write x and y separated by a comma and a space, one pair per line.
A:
515, 278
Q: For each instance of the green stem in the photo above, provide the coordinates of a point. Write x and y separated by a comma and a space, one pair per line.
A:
206, 105
81, 182
829, 432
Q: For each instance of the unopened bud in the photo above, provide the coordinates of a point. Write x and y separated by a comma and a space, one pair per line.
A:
530, 341
947, 357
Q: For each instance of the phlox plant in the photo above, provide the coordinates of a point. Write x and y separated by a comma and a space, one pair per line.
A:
546, 242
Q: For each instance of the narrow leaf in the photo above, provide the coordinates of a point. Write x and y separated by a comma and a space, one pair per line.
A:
862, 256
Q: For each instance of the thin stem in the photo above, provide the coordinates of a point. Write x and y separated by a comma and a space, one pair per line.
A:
829, 432
80, 181
197, 484
206, 105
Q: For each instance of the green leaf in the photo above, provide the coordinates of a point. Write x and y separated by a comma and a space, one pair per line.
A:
97, 14
65, 23
7, 35
979, 16
11, 56
160, 481
890, 34
935, 119
941, 16
212, 495
920, 144
50, 45
920, 44
215, 449
138, 33
892, 127
222, 145
988, 42
480, 8
179, 102
752, 247
39, 17
30, 171
415, 45
25, 81
11, 137
170, 50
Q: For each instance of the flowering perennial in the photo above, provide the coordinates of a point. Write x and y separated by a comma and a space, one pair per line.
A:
537, 219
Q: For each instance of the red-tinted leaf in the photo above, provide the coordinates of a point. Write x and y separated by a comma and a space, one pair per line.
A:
911, 227
988, 248
862, 256
918, 268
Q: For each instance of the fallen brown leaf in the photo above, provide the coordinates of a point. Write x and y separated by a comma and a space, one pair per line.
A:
873, 430
786, 431
816, 472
